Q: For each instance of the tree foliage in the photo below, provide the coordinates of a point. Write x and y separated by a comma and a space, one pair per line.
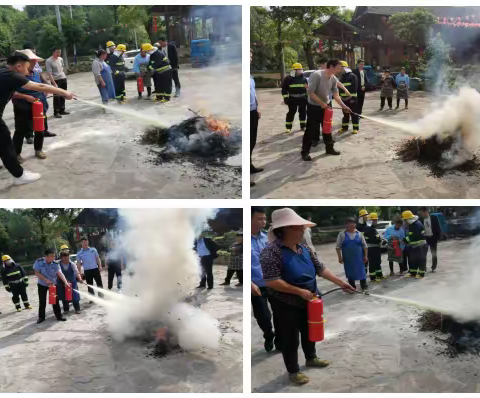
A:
413, 27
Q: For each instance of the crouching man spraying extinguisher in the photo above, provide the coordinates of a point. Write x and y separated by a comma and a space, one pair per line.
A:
321, 84
290, 270
47, 272
15, 281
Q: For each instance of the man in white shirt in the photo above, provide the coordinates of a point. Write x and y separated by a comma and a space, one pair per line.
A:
56, 67
433, 233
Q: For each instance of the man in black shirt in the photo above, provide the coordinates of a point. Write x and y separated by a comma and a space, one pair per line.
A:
12, 77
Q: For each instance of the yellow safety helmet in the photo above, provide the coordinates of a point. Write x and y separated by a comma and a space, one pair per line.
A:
146, 47
6, 257
363, 212
121, 47
373, 216
407, 215
297, 65
64, 247
344, 64
110, 44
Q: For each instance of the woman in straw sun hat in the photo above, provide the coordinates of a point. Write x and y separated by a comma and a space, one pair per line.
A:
290, 270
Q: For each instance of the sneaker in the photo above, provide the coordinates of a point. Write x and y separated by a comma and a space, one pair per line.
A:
90, 302
397, 107
288, 131
317, 363
224, 284
381, 109
418, 277
27, 178
200, 287
365, 289
40, 154
332, 151
29, 140
20, 159
78, 312
28, 307
64, 113
298, 378
19, 309
238, 284
307, 158
433, 270
49, 134
119, 291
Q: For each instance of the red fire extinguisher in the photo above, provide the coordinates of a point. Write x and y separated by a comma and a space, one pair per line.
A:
52, 294
396, 248
141, 89
316, 323
68, 293
38, 116
327, 120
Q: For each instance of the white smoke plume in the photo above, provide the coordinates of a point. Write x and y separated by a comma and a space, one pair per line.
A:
159, 243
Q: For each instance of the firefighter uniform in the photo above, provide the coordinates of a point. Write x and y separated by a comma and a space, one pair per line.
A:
350, 81
294, 92
416, 246
361, 228
117, 64
162, 75
372, 237
15, 281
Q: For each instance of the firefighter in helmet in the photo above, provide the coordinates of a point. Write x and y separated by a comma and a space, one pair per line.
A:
416, 245
373, 239
162, 72
110, 49
117, 64
15, 281
294, 92
350, 82
362, 220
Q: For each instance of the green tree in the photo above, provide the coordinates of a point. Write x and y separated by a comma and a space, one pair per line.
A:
9, 19
280, 15
4, 240
413, 27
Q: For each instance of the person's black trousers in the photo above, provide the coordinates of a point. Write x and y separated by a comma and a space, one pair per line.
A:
262, 314
112, 272
8, 153
19, 290
360, 101
294, 105
292, 321
254, 118
175, 78
231, 272
417, 260
163, 85
24, 129
207, 266
389, 100
93, 275
363, 283
119, 84
432, 244
406, 102
346, 116
374, 262
312, 131
58, 100
403, 266
42, 303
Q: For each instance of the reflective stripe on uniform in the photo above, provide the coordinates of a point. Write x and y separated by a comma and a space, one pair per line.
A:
163, 68
345, 124
417, 241
355, 125
296, 85
120, 63
346, 95
347, 84
285, 96
14, 273
373, 274
290, 123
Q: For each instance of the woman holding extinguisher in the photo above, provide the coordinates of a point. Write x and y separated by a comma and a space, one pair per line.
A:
395, 236
290, 270
72, 275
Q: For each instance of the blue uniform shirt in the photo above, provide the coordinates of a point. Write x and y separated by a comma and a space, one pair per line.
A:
88, 258
202, 250
253, 95
258, 244
139, 60
49, 271
403, 78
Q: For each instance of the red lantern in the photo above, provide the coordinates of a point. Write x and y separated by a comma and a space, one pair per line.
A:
68, 293
154, 21
38, 116
52, 294
316, 323
327, 121
140, 87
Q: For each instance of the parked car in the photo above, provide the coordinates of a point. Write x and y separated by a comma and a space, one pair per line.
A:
201, 52
443, 225
306, 73
129, 58
381, 228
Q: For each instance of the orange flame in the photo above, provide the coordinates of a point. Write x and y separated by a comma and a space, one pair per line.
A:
218, 126
161, 334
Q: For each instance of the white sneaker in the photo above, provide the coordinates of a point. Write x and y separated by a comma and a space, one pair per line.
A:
27, 178
119, 291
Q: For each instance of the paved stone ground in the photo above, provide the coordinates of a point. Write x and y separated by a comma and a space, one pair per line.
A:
79, 355
367, 167
373, 344
97, 155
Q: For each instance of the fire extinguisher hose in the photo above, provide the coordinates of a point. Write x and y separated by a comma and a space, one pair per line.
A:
340, 288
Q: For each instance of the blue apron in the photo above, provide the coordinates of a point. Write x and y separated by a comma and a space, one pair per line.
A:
298, 269
70, 276
106, 74
353, 255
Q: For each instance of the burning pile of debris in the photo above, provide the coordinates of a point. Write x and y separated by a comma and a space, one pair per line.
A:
160, 342
463, 337
199, 136
440, 154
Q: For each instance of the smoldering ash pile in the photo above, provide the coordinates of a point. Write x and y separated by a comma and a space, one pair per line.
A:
165, 267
